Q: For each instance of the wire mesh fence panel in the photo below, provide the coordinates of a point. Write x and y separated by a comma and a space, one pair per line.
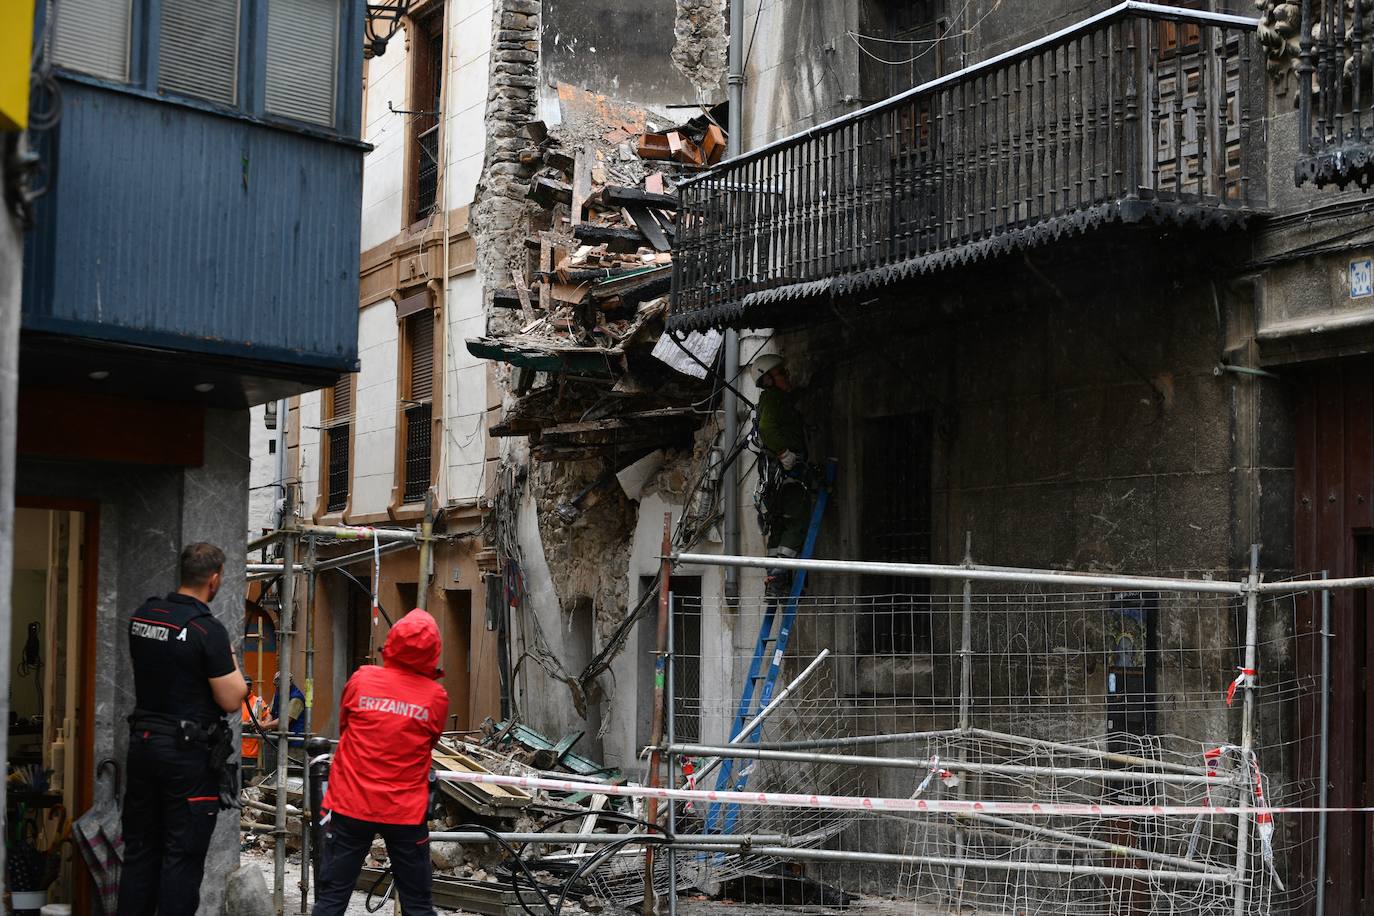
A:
1011, 692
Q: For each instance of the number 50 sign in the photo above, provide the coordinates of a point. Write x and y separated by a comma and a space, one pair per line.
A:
1362, 278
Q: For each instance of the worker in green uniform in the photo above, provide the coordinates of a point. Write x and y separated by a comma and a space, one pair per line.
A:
787, 498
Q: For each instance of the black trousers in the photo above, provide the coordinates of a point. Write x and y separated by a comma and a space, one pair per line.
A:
346, 842
170, 807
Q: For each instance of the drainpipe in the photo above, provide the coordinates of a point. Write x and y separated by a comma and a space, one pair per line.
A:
283, 416
445, 344
733, 146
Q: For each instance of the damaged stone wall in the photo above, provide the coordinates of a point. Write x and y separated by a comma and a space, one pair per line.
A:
577, 522
702, 42
512, 102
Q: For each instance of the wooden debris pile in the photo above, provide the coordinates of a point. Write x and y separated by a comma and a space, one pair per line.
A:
590, 305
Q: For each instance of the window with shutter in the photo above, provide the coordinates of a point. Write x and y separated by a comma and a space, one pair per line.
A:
427, 87
338, 444
302, 50
418, 412
198, 54
92, 36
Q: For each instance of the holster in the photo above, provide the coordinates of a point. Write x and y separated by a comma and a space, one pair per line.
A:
222, 752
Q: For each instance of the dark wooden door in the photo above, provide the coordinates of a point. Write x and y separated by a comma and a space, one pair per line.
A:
1334, 531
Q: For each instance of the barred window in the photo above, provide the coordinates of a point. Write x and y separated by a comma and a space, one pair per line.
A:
417, 412
338, 444
427, 84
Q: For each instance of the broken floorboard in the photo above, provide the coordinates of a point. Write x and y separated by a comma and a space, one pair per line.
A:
488, 800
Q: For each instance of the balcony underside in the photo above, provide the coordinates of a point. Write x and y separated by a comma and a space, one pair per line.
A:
758, 307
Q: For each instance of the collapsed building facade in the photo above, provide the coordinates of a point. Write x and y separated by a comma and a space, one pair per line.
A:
1054, 300
1064, 303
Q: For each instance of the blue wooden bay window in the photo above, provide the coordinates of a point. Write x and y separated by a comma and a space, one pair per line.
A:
288, 63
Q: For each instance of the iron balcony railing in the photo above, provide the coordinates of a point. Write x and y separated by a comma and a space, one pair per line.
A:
1336, 101
1143, 111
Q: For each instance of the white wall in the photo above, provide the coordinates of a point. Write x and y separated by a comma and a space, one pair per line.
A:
262, 495
310, 451
384, 167
465, 393
465, 388
374, 442
469, 47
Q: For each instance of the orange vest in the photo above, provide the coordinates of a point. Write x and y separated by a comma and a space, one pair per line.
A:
253, 706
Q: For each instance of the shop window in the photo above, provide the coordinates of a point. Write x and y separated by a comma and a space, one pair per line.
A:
894, 618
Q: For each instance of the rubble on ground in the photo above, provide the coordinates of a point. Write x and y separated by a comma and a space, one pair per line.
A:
479, 875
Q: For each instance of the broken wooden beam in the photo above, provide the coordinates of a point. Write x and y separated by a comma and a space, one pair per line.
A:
505, 299
617, 196
547, 191
644, 221
619, 240
582, 181
522, 291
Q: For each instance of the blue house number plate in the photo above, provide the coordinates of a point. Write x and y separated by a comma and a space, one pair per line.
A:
1362, 278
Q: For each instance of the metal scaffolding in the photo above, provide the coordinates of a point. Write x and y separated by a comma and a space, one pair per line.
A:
293, 535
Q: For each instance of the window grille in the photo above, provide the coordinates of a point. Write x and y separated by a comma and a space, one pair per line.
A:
417, 452
302, 53
418, 412
428, 83
92, 36
198, 54
338, 434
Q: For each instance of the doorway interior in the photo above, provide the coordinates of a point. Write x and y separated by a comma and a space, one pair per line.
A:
52, 680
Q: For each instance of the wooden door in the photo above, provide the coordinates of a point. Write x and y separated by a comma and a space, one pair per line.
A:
1334, 531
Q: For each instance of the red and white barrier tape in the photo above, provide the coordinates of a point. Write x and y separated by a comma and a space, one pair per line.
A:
879, 804
1246, 678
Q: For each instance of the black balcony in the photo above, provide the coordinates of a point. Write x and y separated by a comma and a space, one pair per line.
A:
1142, 114
1336, 100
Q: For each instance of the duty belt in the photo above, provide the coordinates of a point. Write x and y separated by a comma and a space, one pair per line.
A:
188, 731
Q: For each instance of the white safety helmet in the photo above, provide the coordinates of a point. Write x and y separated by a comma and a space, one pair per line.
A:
766, 364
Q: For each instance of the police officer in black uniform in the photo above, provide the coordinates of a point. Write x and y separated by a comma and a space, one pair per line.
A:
185, 679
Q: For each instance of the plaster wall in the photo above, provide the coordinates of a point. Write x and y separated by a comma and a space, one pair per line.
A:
384, 166
374, 440
262, 495
466, 394
308, 473
619, 49
469, 47
802, 66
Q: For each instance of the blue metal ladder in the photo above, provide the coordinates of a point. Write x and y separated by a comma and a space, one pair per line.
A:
769, 651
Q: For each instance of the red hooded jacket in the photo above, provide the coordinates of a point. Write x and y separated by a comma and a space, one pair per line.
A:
389, 721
